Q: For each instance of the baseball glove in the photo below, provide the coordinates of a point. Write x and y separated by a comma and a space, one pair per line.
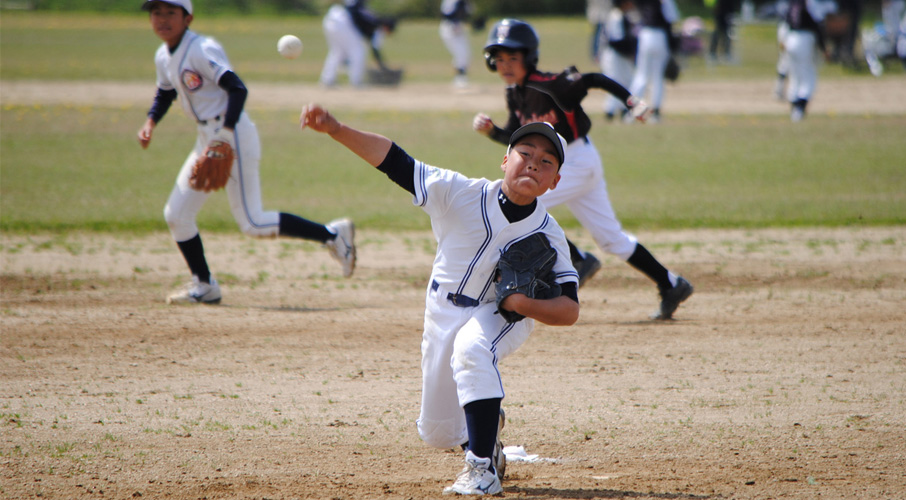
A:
212, 169
672, 70
527, 267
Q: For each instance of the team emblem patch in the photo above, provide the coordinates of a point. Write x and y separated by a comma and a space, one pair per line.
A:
503, 32
191, 80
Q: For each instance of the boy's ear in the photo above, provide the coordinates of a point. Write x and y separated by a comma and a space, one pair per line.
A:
556, 181
503, 163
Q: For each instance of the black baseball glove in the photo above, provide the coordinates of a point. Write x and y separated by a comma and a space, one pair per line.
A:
527, 267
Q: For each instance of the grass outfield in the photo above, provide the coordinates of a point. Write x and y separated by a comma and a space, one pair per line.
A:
696, 172
115, 47
80, 168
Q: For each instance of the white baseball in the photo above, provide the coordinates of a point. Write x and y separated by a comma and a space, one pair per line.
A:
289, 46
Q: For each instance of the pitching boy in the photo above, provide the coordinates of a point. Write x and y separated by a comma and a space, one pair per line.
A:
196, 69
532, 95
474, 221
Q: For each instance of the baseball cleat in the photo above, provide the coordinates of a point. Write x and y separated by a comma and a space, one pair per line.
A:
499, 457
342, 248
671, 298
587, 268
197, 293
475, 479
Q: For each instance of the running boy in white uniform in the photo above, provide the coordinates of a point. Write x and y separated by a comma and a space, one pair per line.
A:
474, 221
197, 70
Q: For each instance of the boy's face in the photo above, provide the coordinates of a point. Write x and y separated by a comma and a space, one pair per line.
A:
511, 66
530, 169
169, 22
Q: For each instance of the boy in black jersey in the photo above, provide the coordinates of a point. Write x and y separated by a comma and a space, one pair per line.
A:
556, 98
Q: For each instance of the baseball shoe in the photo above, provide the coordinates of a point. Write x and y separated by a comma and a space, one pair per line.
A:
587, 268
197, 293
342, 248
475, 479
671, 298
499, 457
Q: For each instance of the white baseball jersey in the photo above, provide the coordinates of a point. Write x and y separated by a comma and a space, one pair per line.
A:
472, 231
464, 336
194, 70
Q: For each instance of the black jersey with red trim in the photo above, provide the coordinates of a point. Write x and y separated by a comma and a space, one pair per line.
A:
555, 98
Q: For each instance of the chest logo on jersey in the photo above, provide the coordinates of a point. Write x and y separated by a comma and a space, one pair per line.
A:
191, 80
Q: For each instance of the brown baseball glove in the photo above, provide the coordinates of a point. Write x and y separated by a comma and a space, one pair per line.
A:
212, 169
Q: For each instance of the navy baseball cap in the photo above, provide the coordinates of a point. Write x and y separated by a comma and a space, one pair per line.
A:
545, 129
185, 4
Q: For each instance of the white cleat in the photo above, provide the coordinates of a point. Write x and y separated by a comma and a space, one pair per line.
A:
475, 479
342, 248
197, 293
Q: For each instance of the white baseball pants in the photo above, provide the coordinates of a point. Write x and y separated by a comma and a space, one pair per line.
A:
653, 54
243, 188
461, 347
344, 45
800, 48
584, 191
618, 69
456, 38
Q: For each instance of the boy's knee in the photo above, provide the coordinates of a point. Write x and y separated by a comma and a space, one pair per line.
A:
180, 228
440, 434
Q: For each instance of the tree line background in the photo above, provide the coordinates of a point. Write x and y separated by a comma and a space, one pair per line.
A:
401, 8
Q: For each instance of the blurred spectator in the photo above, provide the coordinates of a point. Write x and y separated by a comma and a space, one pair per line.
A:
656, 20
783, 59
805, 34
843, 31
619, 49
597, 12
892, 12
723, 23
454, 32
348, 28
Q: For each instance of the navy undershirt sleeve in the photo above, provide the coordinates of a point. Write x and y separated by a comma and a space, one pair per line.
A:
399, 167
237, 94
162, 101
570, 290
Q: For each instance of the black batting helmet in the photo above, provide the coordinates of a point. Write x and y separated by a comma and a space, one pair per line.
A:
512, 34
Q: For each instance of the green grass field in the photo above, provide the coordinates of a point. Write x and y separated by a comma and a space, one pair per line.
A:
67, 168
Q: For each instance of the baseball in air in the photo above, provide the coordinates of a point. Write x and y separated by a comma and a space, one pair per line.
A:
289, 46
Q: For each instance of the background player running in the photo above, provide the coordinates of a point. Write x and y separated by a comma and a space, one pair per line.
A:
197, 70
533, 95
474, 220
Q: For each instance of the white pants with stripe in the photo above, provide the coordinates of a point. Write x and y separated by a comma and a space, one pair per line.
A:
243, 188
583, 190
461, 347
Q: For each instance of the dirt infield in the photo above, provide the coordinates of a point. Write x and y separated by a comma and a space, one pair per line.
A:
784, 376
